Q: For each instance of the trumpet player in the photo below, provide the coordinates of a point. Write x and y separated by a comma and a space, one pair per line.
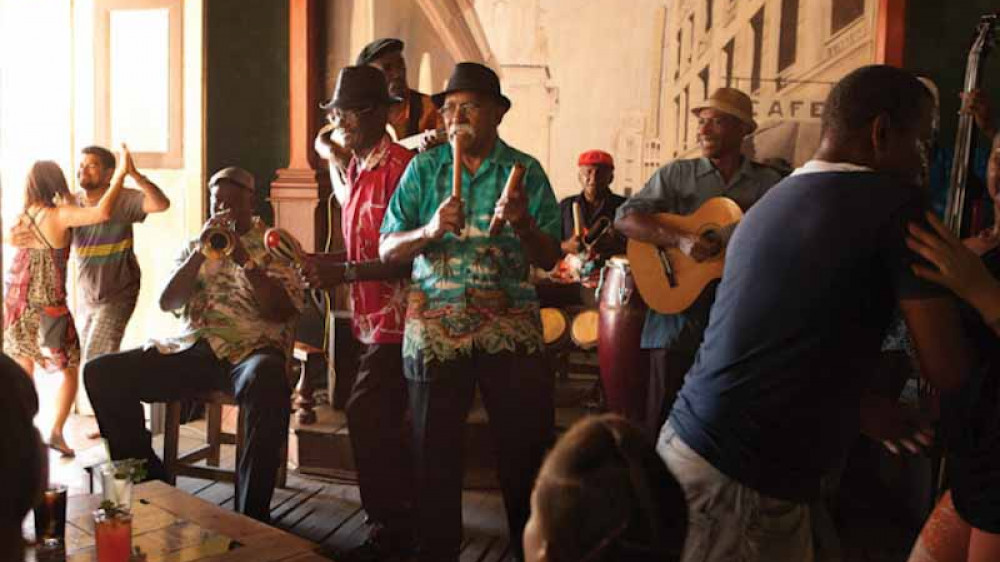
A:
238, 310
473, 316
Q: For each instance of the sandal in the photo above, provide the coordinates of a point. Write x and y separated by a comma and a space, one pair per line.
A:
57, 443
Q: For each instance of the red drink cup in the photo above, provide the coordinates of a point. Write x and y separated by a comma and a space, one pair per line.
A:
113, 535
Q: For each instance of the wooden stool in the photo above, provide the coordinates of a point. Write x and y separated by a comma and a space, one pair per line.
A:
178, 464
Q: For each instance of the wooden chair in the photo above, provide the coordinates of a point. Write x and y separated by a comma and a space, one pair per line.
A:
303, 361
186, 463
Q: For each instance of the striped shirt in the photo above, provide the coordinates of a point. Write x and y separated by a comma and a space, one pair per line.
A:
104, 253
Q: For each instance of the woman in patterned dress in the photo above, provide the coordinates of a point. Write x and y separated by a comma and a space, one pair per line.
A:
37, 326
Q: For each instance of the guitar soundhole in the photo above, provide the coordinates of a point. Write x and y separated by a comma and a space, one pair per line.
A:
712, 233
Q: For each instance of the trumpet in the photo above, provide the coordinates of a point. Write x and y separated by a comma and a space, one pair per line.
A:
218, 241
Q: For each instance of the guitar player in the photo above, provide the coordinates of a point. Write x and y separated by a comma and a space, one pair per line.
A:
680, 187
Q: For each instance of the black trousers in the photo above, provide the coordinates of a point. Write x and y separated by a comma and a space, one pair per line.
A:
117, 384
376, 418
517, 392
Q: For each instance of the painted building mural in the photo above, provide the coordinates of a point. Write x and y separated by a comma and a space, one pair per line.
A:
622, 76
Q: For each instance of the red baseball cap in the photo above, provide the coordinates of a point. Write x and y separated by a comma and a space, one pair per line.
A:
596, 158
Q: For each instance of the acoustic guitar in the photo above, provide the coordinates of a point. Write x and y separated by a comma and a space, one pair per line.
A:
669, 279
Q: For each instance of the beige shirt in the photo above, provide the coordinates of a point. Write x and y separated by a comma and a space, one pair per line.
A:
224, 311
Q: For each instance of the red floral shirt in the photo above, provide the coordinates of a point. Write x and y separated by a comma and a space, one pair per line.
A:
379, 307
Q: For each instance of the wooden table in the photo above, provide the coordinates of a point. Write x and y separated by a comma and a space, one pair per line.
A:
171, 525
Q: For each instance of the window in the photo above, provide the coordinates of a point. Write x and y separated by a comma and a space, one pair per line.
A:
686, 115
708, 15
138, 79
845, 12
757, 23
728, 50
789, 33
677, 124
680, 43
691, 38
703, 76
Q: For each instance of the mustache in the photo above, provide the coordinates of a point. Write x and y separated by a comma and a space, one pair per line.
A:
461, 129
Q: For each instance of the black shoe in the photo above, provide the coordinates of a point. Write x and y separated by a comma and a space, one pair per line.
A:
382, 545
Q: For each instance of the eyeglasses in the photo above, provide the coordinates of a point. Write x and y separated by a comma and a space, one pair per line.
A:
337, 115
468, 108
720, 121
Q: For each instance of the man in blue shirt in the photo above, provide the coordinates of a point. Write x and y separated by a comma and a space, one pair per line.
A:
680, 188
814, 270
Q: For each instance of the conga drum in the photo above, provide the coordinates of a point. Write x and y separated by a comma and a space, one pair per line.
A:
583, 330
555, 327
622, 313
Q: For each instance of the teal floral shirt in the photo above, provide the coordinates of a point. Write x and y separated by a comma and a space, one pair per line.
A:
470, 291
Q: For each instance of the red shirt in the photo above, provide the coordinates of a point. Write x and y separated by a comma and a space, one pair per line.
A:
379, 307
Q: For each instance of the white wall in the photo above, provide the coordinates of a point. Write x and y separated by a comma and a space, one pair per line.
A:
599, 58
351, 24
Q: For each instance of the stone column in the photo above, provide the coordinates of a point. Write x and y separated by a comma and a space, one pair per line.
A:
300, 192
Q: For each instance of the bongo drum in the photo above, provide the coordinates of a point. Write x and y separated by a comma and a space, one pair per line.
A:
622, 313
555, 327
583, 330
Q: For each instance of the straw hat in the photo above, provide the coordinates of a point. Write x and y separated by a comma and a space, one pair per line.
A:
732, 102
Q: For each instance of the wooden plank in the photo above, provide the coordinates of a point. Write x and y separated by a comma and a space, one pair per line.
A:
242, 529
279, 514
192, 485
321, 515
218, 493
351, 534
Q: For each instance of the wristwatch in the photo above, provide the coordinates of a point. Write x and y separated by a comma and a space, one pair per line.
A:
350, 272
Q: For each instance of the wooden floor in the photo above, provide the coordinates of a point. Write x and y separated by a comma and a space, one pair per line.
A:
330, 514
869, 522
323, 511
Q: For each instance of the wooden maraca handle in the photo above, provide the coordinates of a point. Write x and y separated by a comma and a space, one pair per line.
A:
513, 182
576, 219
456, 173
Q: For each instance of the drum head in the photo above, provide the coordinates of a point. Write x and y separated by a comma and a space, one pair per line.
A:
584, 329
553, 325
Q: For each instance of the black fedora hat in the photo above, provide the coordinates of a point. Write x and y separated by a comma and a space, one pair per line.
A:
377, 48
472, 77
359, 86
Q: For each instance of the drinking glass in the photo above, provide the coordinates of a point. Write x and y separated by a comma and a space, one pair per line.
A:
50, 517
113, 535
117, 479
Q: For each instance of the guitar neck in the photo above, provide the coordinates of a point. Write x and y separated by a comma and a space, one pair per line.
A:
413, 142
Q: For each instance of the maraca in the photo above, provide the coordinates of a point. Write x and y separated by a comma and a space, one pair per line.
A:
282, 245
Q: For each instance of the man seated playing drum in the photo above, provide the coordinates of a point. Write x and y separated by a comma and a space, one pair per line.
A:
587, 216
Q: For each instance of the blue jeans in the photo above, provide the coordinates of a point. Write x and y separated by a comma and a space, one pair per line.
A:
118, 383
730, 522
